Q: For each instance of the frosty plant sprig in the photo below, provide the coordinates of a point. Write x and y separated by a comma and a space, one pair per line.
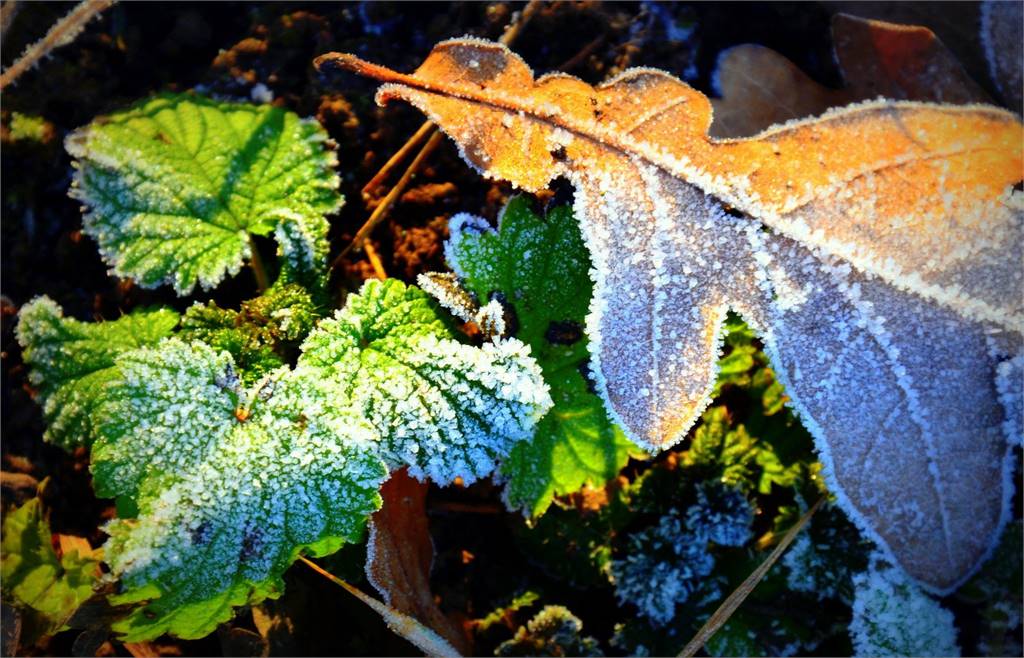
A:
236, 440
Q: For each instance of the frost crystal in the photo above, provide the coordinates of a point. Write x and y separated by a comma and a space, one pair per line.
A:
664, 565
175, 186
892, 617
72, 362
444, 408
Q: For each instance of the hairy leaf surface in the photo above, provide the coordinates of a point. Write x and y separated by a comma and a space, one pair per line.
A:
885, 212
539, 266
72, 362
230, 482
175, 186
444, 408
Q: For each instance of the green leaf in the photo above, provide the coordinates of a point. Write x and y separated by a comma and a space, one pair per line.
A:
34, 577
231, 482
176, 185
554, 631
72, 362
540, 267
260, 334
444, 408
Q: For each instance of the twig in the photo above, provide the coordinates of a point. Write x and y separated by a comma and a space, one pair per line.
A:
428, 128
258, 269
375, 262
419, 635
729, 606
381, 210
585, 52
62, 33
8, 10
417, 138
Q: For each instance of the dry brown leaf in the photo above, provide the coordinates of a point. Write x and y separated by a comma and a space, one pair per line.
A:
400, 554
887, 289
758, 87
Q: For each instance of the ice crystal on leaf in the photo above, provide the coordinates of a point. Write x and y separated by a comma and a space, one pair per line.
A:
72, 362
893, 617
175, 186
539, 266
721, 515
891, 268
444, 408
664, 565
230, 482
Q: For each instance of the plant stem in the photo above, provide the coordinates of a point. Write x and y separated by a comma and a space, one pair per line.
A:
730, 605
408, 628
258, 269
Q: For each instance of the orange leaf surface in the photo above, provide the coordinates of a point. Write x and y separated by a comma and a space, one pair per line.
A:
876, 249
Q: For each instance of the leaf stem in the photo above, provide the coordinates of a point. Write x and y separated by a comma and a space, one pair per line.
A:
731, 604
408, 628
259, 270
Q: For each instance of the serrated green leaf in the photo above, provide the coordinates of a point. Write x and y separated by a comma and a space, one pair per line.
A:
34, 577
540, 267
72, 362
176, 185
443, 408
260, 333
231, 482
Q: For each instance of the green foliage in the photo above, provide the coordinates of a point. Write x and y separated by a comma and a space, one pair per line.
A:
444, 408
997, 590
260, 334
554, 631
230, 481
29, 128
73, 363
48, 588
176, 185
539, 267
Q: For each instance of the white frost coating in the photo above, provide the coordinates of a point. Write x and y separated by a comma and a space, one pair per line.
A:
491, 319
665, 565
230, 482
448, 292
1010, 383
444, 408
892, 617
459, 226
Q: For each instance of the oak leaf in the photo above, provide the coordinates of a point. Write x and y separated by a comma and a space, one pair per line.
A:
876, 249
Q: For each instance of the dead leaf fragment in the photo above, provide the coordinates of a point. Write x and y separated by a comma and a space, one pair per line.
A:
759, 88
400, 554
887, 289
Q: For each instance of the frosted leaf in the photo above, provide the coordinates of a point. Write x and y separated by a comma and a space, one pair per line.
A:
230, 482
912, 203
1010, 383
444, 408
539, 266
554, 631
175, 185
1000, 36
663, 566
906, 465
892, 617
72, 362
721, 515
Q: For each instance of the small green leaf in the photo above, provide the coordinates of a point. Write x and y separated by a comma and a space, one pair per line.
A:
72, 362
444, 408
260, 334
34, 577
176, 185
231, 482
539, 266
554, 631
